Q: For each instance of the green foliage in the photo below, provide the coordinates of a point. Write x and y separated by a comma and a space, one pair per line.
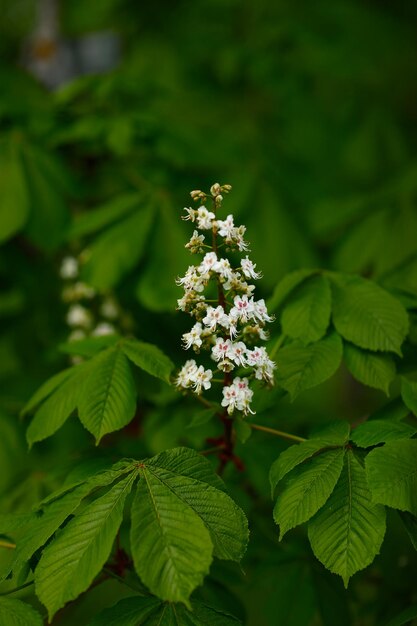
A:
348, 532
374, 370
17, 613
409, 394
137, 611
102, 389
301, 367
366, 315
392, 475
377, 431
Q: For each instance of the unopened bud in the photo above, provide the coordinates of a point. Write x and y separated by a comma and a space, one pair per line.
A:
195, 194
215, 189
219, 199
226, 188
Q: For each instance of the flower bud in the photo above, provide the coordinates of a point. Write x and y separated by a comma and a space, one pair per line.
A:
226, 188
219, 199
215, 189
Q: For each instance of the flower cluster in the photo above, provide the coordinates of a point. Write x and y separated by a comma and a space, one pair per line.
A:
229, 321
88, 313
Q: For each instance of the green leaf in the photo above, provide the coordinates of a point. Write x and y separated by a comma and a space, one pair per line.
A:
118, 250
367, 315
98, 219
17, 613
180, 517
70, 563
306, 314
54, 512
335, 435
286, 286
57, 408
141, 611
302, 367
409, 394
307, 490
171, 546
374, 370
108, 400
373, 432
46, 389
392, 475
347, 533
242, 428
149, 358
14, 199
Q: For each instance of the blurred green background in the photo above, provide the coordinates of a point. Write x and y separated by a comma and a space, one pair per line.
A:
111, 111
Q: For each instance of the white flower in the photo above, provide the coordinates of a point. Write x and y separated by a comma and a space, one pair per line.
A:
190, 214
69, 268
236, 238
77, 335
243, 308
221, 348
186, 374
189, 299
201, 379
193, 338
226, 227
233, 322
238, 395
248, 268
261, 312
79, 316
102, 329
195, 243
215, 316
208, 262
204, 218
264, 367
237, 353
224, 269
192, 280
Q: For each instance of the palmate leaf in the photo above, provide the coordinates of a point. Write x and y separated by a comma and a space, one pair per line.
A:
347, 533
302, 367
97, 220
148, 611
392, 475
102, 388
71, 562
108, 400
335, 435
180, 518
367, 315
374, 370
17, 613
307, 490
306, 314
14, 198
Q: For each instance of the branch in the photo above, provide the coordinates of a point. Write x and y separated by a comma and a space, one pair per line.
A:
278, 433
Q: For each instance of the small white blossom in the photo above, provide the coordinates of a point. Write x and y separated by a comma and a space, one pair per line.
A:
226, 227
238, 395
186, 374
102, 329
205, 218
79, 316
109, 309
243, 308
224, 269
77, 335
237, 353
208, 262
201, 379
261, 312
215, 316
192, 280
248, 268
69, 268
259, 359
196, 242
191, 214
193, 338
221, 348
